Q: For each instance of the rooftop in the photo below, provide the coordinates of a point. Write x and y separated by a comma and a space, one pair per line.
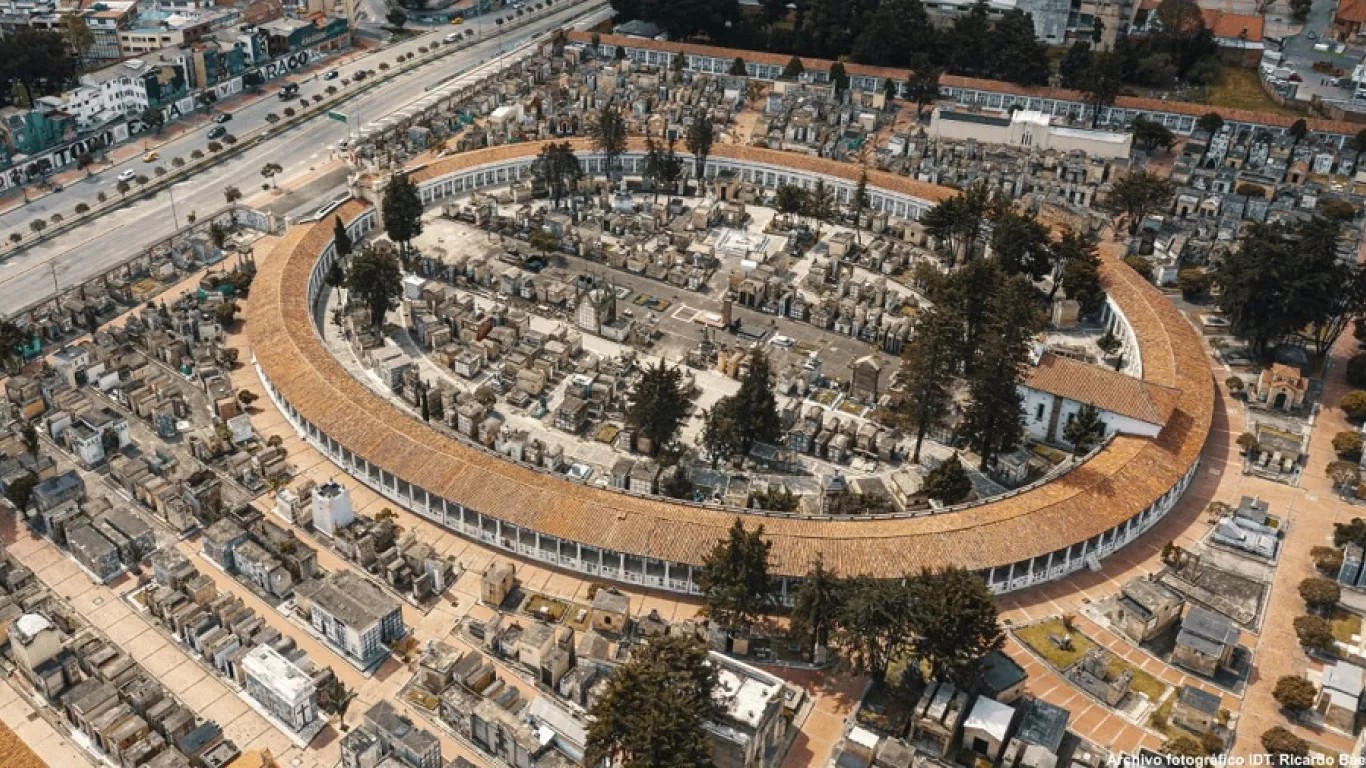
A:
278, 674
1208, 703
398, 728
350, 599
990, 716
1128, 475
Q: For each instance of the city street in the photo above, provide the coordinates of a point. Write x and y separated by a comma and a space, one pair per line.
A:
92, 248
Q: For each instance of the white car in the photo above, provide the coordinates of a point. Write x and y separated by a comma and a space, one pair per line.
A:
782, 341
127, 175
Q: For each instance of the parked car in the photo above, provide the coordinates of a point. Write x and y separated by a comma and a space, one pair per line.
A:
222, 117
332, 74
127, 175
217, 131
151, 157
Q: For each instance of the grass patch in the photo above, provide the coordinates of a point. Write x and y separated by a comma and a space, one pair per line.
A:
1161, 719
1344, 624
546, 609
1241, 89
1143, 682
1036, 637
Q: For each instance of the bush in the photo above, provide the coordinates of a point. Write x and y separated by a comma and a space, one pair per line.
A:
1354, 404
141, 180
1235, 384
1327, 559
1294, 693
178, 162
1347, 445
229, 139
289, 111
1314, 633
1182, 745
82, 208
215, 146
1320, 593
1194, 283
1278, 741
1248, 442
159, 170
15, 237
1356, 370
198, 153
1140, 265
55, 218
102, 197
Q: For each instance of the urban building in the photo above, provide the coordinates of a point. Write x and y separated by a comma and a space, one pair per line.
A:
285, 690
353, 615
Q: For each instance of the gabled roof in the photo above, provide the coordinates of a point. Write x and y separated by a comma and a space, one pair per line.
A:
1105, 389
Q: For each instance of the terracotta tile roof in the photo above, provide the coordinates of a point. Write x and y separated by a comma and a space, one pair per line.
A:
1127, 476
996, 86
879, 179
1351, 11
1105, 389
1235, 26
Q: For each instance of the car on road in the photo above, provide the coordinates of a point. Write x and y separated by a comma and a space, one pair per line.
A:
222, 117
452, 38
127, 175
151, 157
217, 131
458, 20
785, 342
1312, 36
332, 74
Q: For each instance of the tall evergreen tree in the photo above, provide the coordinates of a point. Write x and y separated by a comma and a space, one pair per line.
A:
815, 606
341, 240
655, 709
558, 168
948, 483
1016, 53
1022, 245
720, 435
756, 407
608, 132
735, 581
930, 362
376, 278
1085, 429
872, 624
402, 211
994, 419
953, 623
657, 405
698, 142
1075, 64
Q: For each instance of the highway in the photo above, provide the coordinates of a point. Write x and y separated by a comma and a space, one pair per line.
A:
93, 248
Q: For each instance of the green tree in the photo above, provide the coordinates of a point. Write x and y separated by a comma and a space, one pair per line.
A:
1347, 445
1210, 122
1076, 65
820, 204
77, 34
608, 132
377, 280
544, 241
1194, 283
402, 210
794, 69
1320, 593
699, 142
1022, 245
858, 203
20, 491
12, 340
29, 434
839, 79
871, 624
930, 360
815, 606
269, 171
1356, 371
1183, 745
953, 623
153, 118
1314, 633
923, 88
231, 194
756, 407
670, 167
1354, 404
1016, 54
40, 62
720, 436
994, 419
957, 221
1298, 130
335, 698
656, 707
969, 42
341, 240
558, 168
735, 581
791, 200
737, 68
657, 406
1283, 746
949, 482
396, 17
1152, 134
1137, 195
1085, 429
1295, 694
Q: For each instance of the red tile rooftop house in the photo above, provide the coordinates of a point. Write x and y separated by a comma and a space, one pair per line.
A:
1347, 20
